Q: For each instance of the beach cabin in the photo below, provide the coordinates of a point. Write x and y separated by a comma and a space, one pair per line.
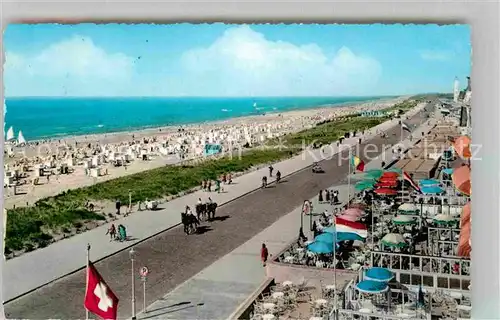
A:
373, 114
211, 149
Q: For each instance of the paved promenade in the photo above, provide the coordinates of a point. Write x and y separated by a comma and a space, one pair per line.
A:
42, 266
219, 289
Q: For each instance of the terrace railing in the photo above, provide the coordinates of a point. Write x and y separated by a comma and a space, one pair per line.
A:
443, 242
428, 271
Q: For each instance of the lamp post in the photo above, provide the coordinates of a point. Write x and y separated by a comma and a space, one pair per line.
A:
132, 253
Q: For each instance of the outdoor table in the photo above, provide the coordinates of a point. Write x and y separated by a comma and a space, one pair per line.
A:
321, 302
320, 264
268, 305
278, 294
404, 315
268, 316
330, 287
288, 283
365, 310
300, 250
289, 259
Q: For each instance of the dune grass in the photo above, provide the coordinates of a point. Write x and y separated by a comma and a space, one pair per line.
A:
31, 227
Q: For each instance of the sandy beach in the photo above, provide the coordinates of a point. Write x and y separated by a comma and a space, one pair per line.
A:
47, 168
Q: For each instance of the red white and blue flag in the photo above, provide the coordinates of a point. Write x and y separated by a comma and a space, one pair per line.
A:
415, 186
346, 226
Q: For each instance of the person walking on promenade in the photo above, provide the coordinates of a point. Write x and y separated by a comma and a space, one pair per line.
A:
271, 170
112, 232
118, 204
264, 254
204, 185
209, 186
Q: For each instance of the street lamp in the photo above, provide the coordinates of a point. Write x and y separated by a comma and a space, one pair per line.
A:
132, 253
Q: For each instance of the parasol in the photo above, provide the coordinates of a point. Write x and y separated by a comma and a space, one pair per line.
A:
387, 184
431, 190
428, 183
462, 147
464, 247
379, 274
444, 219
408, 208
353, 212
386, 192
461, 179
372, 287
393, 240
403, 220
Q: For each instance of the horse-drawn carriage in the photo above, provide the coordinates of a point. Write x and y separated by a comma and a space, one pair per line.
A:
316, 168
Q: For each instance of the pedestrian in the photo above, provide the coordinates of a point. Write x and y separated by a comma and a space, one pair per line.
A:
117, 206
204, 185
327, 193
336, 197
229, 178
383, 164
264, 254
112, 232
320, 196
271, 170
209, 186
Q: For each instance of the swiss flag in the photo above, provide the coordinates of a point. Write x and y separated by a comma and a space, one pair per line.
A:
99, 299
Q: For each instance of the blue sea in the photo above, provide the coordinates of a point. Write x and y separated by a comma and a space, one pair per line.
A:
42, 118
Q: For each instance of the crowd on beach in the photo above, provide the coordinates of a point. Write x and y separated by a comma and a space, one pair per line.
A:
86, 160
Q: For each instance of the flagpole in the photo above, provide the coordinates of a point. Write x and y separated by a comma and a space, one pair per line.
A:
88, 263
349, 178
335, 266
401, 131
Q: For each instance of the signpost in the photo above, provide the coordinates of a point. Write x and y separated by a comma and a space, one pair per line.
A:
144, 271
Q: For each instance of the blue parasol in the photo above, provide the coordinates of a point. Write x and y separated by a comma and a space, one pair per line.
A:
428, 183
431, 190
327, 238
320, 247
372, 287
448, 171
379, 274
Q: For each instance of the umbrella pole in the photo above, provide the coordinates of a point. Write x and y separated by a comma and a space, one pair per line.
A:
373, 226
335, 268
402, 188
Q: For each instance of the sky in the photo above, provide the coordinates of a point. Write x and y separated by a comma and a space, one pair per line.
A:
225, 60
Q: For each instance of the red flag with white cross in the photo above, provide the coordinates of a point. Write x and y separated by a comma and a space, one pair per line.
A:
99, 298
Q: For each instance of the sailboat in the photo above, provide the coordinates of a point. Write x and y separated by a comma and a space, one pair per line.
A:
10, 134
20, 138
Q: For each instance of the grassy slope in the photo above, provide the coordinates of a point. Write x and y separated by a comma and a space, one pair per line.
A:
29, 227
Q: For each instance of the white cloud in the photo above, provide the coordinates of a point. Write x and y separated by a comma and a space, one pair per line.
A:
435, 55
75, 66
241, 62
244, 62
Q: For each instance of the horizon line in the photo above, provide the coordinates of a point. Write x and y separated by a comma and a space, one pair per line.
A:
243, 96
